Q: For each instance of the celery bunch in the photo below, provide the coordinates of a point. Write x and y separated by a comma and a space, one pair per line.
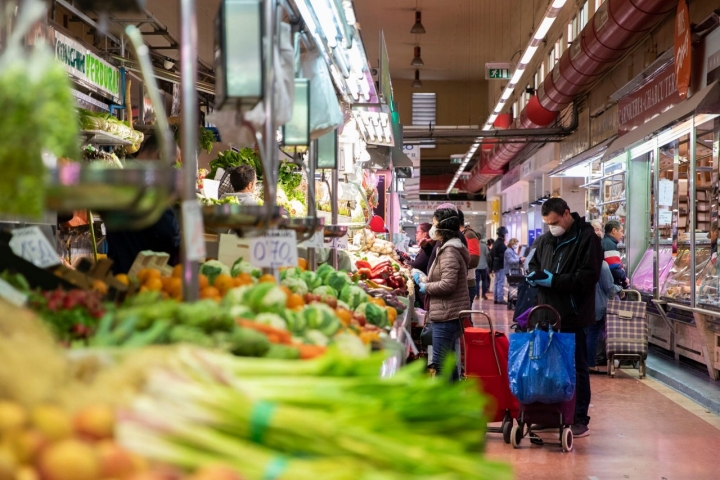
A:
330, 418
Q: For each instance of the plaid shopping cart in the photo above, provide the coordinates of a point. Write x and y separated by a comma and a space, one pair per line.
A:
627, 332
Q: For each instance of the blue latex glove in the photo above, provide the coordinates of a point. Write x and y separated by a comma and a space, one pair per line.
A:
416, 277
529, 279
422, 288
545, 282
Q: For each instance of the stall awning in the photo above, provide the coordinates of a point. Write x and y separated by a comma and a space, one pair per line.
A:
399, 159
583, 158
706, 100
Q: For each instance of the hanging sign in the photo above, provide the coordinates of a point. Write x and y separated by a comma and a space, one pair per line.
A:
666, 192
30, 243
682, 48
498, 71
275, 249
86, 66
656, 96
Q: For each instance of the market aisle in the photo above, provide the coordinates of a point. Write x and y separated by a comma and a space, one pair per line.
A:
639, 430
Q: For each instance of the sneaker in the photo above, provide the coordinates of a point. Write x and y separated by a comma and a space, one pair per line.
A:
580, 431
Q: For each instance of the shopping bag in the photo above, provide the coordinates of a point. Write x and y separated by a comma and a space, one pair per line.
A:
541, 366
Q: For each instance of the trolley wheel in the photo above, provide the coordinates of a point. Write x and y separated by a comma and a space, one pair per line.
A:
516, 436
567, 440
507, 427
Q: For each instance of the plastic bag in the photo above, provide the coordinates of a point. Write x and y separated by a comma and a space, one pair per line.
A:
541, 366
325, 112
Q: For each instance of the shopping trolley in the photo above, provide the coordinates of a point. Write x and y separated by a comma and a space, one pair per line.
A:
515, 278
485, 358
627, 332
560, 415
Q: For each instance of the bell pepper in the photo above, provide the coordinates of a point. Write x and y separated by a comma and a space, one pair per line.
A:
360, 264
365, 273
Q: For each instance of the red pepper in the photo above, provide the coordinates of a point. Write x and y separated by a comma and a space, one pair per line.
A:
365, 273
360, 264
379, 281
382, 265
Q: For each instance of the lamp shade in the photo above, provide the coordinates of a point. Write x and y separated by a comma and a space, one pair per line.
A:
418, 28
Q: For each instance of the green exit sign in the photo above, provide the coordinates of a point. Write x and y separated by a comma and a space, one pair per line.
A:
456, 159
498, 71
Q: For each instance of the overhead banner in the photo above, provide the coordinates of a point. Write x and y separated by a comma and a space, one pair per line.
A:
656, 96
86, 66
682, 48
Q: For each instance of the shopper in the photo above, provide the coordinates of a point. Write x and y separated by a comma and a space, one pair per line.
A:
452, 207
497, 265
446, 286
426, 244
243, 180
161, 237
614, 233
569, 258
473, 245
604, 290
513, 261
482, 278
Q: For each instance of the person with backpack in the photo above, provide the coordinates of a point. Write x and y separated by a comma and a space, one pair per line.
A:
497, 265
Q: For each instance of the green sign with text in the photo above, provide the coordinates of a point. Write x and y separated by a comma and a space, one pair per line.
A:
86, 66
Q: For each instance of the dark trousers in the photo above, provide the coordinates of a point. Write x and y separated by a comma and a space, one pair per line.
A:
582, 384
482, 275
593, 335
444, 337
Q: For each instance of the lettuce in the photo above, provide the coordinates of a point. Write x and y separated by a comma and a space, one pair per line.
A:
373, 314
337, 280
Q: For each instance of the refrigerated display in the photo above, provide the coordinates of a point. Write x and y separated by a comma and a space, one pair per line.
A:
642, 278
677, 287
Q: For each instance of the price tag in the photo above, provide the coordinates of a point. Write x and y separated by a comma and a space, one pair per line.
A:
30, 244
316, 241
9, 293
666, 193
665, 217
340, 243
193, 230
277, 248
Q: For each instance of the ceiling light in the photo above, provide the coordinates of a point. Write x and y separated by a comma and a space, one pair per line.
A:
418, 28
517, 75
544, 27
529, 52
417, 61
506, 94
417, 83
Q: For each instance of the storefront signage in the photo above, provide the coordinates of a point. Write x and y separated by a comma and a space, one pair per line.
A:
682, 48
86, 66
604, 126
712, 59
527, 167
656, 96
413, 153
510, 178
465, 206
579, 141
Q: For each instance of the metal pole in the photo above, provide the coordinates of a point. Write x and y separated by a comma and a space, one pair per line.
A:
270, 160
334, 180
692, 207
656, 221
391, 205
312, 206
188, 66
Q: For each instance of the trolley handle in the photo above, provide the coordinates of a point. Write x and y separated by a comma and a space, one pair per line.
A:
557, 325
469, 313
634, 292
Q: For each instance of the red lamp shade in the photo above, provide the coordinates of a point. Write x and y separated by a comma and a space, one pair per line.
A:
503, 121
538, 114
377, 224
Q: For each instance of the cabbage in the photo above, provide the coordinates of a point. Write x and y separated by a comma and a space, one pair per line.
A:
321, 317
325, 290
295, 285
295, 321
341, 304
291, 273
241, 266
324, 270
266, 297
353, 296
241, 311
373, 314
271, 320
337, 280
213, 268
351, 345
312, 280
316, 337
235, 296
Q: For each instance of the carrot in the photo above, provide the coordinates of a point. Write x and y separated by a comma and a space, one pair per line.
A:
273, 334
310, 351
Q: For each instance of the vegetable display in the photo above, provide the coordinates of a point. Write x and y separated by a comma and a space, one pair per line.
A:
230, 158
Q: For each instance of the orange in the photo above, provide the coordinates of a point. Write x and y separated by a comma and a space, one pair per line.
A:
223, 282
154, 284
177, 271
122, 278
203, 281
166, 283
302, 263
147, 273
378, 301
210, 292
267, 278
392, 314
246, 278
294, 301
143, 289
285, 289
344, 315
100, 287
174, 287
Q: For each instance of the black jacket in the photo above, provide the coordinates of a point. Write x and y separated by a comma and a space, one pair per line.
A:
574, 259
423, 258
497, 255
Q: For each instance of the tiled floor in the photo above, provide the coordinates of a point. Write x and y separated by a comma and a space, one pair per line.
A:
640, 429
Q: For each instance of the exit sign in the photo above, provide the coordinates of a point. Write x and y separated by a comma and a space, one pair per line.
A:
455, 161
498, 71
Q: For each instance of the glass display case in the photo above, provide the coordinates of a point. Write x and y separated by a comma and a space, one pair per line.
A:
708, 292
678, 285
642, 278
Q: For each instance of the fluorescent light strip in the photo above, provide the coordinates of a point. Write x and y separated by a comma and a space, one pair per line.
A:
550, 15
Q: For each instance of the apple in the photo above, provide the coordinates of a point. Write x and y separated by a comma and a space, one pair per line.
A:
115, 462
96, 422
52, 421
27, 445
69, 460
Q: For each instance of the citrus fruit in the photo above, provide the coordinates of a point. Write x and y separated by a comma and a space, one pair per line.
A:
267, 278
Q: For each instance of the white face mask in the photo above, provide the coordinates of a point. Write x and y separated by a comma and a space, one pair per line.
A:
556, 230
433, 232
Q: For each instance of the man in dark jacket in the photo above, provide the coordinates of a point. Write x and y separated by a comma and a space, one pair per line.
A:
569, 257
497, 265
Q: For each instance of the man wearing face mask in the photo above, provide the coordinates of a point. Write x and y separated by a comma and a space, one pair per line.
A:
566, 268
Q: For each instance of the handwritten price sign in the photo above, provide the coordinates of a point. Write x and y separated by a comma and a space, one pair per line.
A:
277, 248
30, 244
